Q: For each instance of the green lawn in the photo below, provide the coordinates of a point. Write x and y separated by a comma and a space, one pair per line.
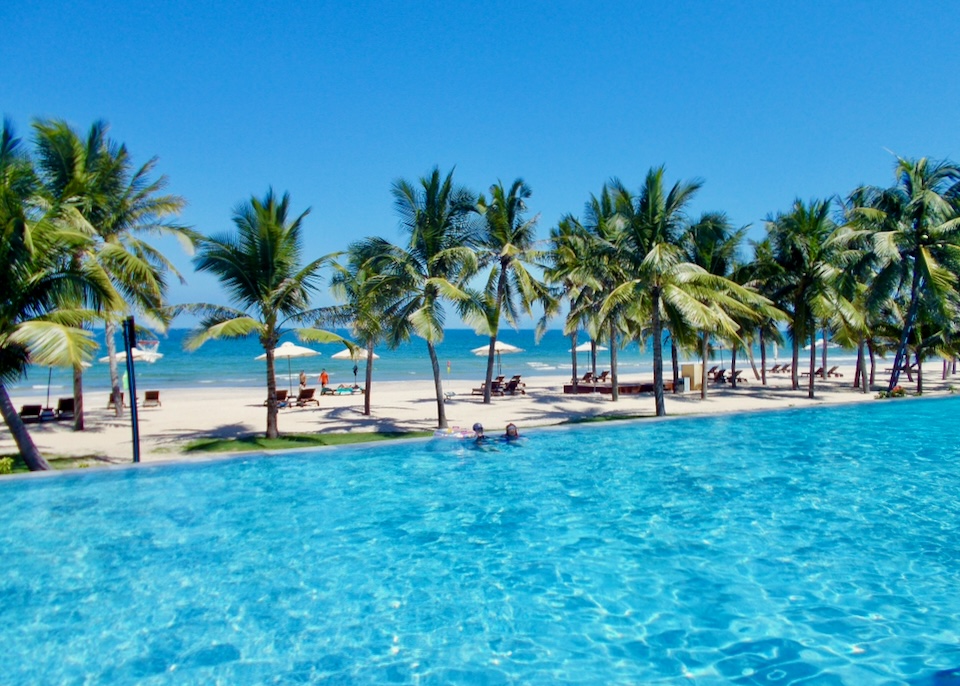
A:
288, 441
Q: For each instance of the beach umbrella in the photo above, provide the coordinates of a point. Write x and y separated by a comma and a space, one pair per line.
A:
358, 354
138, 356
501, 348
289, 351
821, 342
586, 347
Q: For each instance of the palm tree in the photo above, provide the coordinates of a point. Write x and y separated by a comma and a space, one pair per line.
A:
92, 181
261, 269
804, 248
508, 245
37, 322
435, 263
916, 240
365, 300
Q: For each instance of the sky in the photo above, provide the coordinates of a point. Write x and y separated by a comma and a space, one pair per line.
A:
765, 102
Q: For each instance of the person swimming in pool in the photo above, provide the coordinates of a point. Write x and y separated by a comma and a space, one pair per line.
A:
511, 433
478, 433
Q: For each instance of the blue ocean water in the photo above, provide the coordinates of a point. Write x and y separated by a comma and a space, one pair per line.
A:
816, 546
232, 362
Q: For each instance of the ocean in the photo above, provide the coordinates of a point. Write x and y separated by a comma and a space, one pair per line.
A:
231, 362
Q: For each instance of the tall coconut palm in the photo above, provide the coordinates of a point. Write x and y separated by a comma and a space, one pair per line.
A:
917, 239
365, 298
38, 322
262, 271
92, 181
508, 246
433, 266
569, 272
807, 253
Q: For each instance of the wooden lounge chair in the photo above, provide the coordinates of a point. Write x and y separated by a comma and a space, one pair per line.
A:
587, 378
496, 388
819, 372
281, 398
111, 406
151, 399
833, 371
65, 408
306, 397
738, 376
514, 386
775, 369
604, 377
719, 376
30, 413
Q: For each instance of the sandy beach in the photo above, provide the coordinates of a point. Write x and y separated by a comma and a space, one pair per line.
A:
189, 414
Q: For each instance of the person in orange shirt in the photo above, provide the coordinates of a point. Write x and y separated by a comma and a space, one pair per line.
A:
324, 378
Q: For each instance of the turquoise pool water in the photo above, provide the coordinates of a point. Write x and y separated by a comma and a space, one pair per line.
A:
811, 546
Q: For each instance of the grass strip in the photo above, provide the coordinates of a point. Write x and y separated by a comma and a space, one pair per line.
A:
289, 441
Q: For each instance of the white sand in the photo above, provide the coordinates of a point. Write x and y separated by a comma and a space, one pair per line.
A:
189, 414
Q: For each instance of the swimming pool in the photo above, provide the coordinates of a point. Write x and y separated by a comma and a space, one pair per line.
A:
807, 546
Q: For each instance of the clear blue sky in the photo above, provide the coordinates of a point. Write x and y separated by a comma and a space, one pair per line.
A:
332, 101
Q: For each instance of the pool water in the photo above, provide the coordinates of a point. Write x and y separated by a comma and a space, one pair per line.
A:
817, 546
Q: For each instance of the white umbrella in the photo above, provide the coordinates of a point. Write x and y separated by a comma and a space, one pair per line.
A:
289, 350
360, 354
586, 347
819, 343
500, 348
138, 355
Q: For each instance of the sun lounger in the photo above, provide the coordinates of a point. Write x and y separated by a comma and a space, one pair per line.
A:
775, 369
281, 398
819, 372
515, 386
604, 377
65, 408
833, 371
30, 413
151, 399
496, 388
306, 397
739, 377
111, 406
343, 389
719, 376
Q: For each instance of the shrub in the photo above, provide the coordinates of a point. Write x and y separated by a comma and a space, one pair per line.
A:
6, 465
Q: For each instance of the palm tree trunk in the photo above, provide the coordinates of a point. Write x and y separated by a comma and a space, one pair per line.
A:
78, 398
435, 363
919, 376
573, 359
110, 332
763, 358
272, 431
862, 365
794, 371
657, 328
873, 364
733, 366
28, 449
675, 361
369, 380
901, 356
813, 362
489, 377
704, 349
615, 384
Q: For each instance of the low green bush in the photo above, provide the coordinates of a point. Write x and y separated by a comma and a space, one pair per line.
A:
6, 465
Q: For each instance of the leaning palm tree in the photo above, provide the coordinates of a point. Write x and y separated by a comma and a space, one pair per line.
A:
433, 266
92, 182
38, 323
916, 239
261, 269
508, 246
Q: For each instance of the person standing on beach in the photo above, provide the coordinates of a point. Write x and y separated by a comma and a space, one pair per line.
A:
303, 380
324, 378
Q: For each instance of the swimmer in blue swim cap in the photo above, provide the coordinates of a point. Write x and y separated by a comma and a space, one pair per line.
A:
478, 431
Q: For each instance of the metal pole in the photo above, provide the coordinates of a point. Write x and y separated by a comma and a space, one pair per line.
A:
130, 342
